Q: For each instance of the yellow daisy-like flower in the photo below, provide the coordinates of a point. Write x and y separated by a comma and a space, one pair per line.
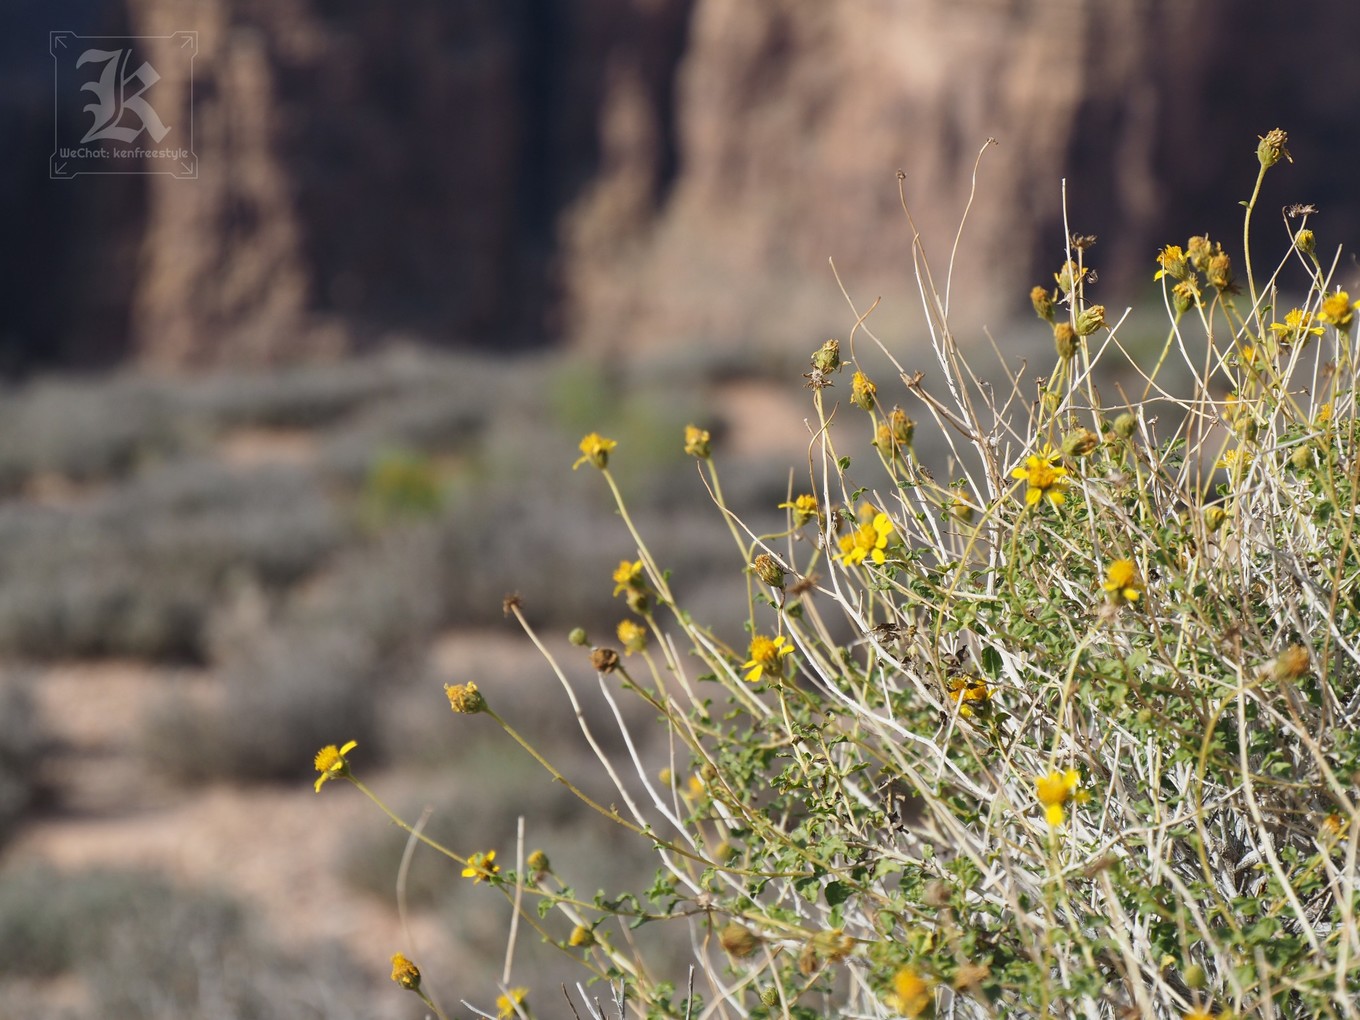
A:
581, 937
511, 1004
965, 689
595, 450
480, 866
632, 636
330, 762
804, 509
698, 443
1043, 478
1057, 789
405, 973
868, 541
1338, 310
767, 655
1297, 325
629, 575
912, 995
1173, 262
1122, 582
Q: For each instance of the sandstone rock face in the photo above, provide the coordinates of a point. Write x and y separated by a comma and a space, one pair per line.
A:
623, 173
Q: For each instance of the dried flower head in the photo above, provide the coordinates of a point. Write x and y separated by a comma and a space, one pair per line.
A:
605, 660
738, 941
769, 570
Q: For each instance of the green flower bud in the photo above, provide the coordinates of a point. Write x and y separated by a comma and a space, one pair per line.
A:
1125, 425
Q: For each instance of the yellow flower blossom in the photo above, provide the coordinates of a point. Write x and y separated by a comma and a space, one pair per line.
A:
804, 509
698, 443
1338, 310
632, 636
862, 391
512, 1003
1122, 582
465, 699
1043, 478
1056, 789
595, 449
1197, 1014
405, 973
912, 995
330, 762
767, 655
1173, 262
1297, 325
629, 575
868, 541
480, 866
966, 689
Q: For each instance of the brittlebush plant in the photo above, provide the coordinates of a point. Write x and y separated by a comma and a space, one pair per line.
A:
1091, 749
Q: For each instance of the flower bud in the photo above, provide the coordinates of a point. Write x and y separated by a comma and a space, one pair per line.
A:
863, 391
1184, 296
1090, 319
1305, 242
1125, 425
1214, 516
1042, 302
738, 941
538, 863
1302, 458
578, 637
828, 357
1079, 442
769, 997
581, 937
1064, 340
767, 568
1194, 977
405, 973
1198, 250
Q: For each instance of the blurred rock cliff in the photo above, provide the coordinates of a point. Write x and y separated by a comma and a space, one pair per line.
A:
622, 173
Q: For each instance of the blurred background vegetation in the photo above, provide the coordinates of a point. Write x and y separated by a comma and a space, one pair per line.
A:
279, 438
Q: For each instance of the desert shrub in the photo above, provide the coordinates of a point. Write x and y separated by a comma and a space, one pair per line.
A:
135, 570
281, 692
23, 742
85, 431
146, 949
1069, 731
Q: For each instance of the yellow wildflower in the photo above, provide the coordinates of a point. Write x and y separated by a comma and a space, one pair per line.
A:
767, 655
698, 443
595, 450
912, 995
330, 762
1173, 262
1056, 789
1338, 310
581, 937
1297, 325
1332, 828
632, 636
480, 866
868, 541
465, 699
1122, 582
1199, 1013
862, 391
1043, 478
804, 509
405, 973
966, 689
512, 1003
